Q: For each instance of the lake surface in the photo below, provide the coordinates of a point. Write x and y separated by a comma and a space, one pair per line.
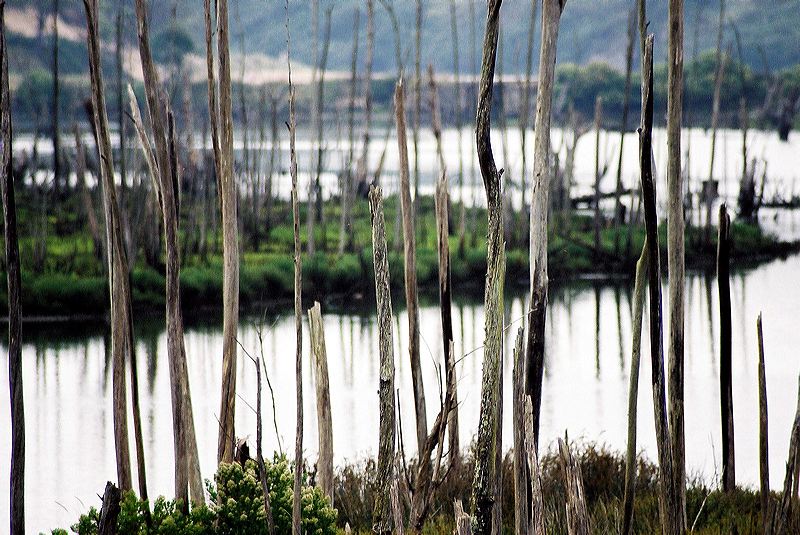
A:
70, 451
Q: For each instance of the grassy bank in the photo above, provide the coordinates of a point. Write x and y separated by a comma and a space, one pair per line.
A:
71, 281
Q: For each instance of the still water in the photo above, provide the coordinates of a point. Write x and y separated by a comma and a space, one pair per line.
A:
70, 451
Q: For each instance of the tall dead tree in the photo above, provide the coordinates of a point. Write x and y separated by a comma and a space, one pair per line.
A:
719, 76
540, 202
386, 427
55, 111
410, 268
618, 210
298, 313
521, 491
324, 423
675, 254
417, 98
221, 114
763, 434
165, 177
364, 164
525, 112
671, 515
345, 236
484, 486
118, 280
458, 99
14, 279
725, 364
598, 121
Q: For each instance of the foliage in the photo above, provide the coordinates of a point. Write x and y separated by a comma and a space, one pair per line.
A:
236, 505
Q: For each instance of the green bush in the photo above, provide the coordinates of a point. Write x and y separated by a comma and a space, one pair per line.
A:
236, 505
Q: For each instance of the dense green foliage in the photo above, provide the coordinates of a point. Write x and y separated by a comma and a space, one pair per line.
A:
236, 505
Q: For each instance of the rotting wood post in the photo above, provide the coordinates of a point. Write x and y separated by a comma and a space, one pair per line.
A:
484, 484
14, 279
410, 268
324, 423
397, 507
633, 391
577, 517
107, 523
536, 525
521, 516
763, 435
667, 506
441, 203
386, 428
540, 204
725, 372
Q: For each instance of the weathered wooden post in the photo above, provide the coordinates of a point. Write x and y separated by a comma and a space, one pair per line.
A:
521, 515
324, 423
14, 279
763, 435
386, 428
725, 372
484, 484
577, 516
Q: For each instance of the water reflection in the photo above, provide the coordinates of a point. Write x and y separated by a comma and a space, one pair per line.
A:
68, 391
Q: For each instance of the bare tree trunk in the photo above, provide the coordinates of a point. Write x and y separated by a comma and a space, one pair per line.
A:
86, 198
540, 202
445, 297
458, 97
14, 279
118, 51
119, 289
386, 431
671, 516
364, 166
345, 236
325, 462
298, 313
109, 512
521, 492
187, 465
417, 99
598, 119
763, 434
463, 520
222, 137
719, 77
55, 111
784, 510
536, 525
675, 257
577, 517
618, 214
725, 379
274, 167
410, 265
633, 392
311, 215
525, 114
484, 485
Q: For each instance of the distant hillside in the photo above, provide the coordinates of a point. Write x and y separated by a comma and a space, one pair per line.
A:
590, 31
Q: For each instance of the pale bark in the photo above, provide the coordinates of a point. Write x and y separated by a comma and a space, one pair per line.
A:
14, 280
386, 428
540, 202
521, 516
536, 525
324, 423
525, 112
417, 98
119, 288
458, 98
618, 207
345, 236
484, 484
577, 517
410, 269
725, 363
719, 77
298, 313
633, 391
675, 256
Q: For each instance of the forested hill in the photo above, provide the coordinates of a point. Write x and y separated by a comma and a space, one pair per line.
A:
592, 30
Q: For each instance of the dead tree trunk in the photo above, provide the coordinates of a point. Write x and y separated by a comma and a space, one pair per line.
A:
165, 177
540, 202
109, 512
345, 236
577, 516
119, 289
783, 511
536, 525
458, 98
14, 279
364, 165
55, 111
633, 392
619, 216
386, 430
445, 303
222, 137
521, 515
298, 313
417, 99
598, 119
719, 76
484, 485
670, 515
410, 266
525, 113
324, 423
725, 378
763, 435
675, 256
86, 198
